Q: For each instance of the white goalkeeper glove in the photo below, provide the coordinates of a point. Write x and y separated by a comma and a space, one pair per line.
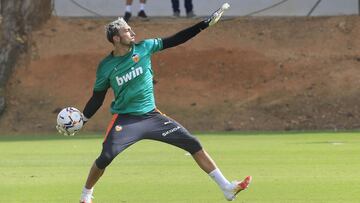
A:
215, 17
84, 118
63, 131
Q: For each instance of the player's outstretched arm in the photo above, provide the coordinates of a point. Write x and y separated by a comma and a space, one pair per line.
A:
192, 31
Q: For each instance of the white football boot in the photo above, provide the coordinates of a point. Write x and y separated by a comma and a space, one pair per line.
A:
236, 187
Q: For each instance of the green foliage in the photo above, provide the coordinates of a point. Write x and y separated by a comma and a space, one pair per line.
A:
300, 167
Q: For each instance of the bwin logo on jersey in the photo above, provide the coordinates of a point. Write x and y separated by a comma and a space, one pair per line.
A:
129, 76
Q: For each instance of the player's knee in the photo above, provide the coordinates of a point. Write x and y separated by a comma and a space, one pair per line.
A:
104, 160
193, 145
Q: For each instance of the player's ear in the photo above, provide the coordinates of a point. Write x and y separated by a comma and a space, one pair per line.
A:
116, 38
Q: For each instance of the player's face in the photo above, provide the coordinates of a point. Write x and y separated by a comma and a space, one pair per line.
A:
127, 35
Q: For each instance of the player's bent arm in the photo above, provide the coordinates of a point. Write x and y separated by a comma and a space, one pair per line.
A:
93, 104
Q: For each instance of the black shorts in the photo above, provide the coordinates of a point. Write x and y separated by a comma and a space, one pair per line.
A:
125, 130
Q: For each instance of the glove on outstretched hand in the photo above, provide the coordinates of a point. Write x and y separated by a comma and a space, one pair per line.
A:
215, 17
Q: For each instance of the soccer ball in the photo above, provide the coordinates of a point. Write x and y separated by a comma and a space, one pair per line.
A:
70, 120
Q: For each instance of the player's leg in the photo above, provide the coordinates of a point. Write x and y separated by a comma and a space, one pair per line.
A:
167, 130
230, 190
142, 15
205, 162
189, 8
119, 136
175, 7
94, 175
127, 14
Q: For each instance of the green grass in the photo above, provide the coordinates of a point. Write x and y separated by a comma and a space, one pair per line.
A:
286, 167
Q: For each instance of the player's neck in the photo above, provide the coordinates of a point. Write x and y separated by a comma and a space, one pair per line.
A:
121, 50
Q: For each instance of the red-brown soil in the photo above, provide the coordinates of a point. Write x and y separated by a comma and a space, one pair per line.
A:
242, 74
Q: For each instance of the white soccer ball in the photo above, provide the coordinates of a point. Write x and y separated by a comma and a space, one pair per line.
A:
70, 119
225, 6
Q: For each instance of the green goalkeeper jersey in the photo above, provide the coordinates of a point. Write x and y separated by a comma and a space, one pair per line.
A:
131, 78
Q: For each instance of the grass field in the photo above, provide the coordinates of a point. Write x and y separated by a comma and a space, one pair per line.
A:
286, 167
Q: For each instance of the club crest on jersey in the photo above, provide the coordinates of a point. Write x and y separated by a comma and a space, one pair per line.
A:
118, 128
135, 58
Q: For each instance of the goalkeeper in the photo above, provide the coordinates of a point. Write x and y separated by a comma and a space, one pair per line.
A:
127, 71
